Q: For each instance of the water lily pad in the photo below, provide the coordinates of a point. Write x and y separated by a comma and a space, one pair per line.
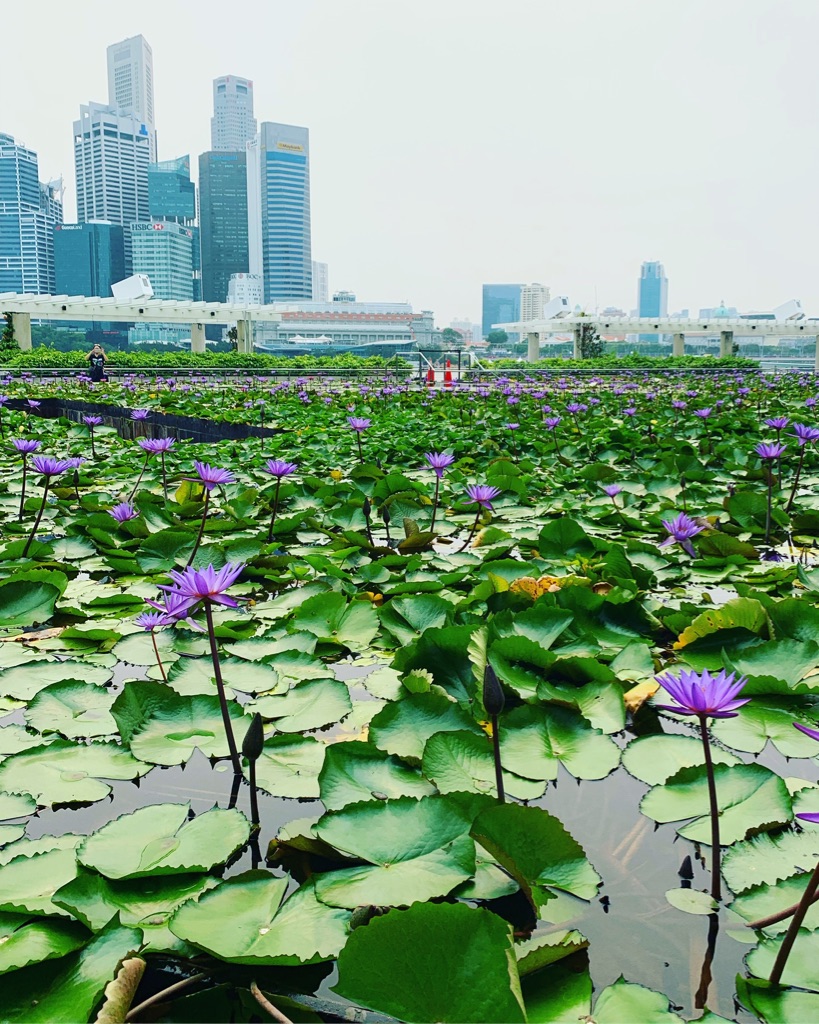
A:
767, 859
330, 618
73, 709
763, 901
534, 740
22, 683
29, 940
751, 798
360, 771
462, 762
290, 765
691, 901
163, 840
653, 759
767, 719
61, 772
263, 929
307, 705
415, 849
382, 965
30, 879
403, 727
800, 970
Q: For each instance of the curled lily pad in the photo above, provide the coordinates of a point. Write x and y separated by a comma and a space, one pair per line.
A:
30, 940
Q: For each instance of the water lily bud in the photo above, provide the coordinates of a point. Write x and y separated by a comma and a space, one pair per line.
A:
253, 742
367, 507
385, 515
493, 698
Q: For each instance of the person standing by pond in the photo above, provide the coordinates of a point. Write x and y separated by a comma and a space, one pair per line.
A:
96, 361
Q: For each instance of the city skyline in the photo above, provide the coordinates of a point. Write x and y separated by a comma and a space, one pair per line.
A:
402, 210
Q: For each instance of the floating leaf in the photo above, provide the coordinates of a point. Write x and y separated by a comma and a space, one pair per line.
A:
360, 771
311, 704
691, 901
535, 739
403, 727
461, 762
653, 759
767, 859
73, 709
800, 970
29, 940
290, 765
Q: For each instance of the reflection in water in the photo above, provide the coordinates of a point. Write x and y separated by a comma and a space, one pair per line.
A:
705, 974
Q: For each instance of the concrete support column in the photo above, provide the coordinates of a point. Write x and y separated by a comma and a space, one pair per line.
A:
244, 338
578, 352
678, 345
534, 346
21, 325
197, 337
726, 344
816, 357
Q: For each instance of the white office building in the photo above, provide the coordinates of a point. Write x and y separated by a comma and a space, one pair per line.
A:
112, 151
533, 297
233, 124
131, 83
321, 282
245, 290
163, 250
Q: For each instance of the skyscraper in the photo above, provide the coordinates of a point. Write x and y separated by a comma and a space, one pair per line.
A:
131, 83
652, 296
278, 211
164, 251
222, 221
501, 305
29, 211
111, 155
172, 198
533, 297
321, 282
233, 124
88, 258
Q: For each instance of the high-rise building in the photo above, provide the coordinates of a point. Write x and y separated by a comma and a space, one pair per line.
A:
164, 251
533, 297
29, 211
501, 305
222, 221
233, 124
88, 258
111, 156
278, 211
652, 295
172, 198
131, 83
245, 290
321, 282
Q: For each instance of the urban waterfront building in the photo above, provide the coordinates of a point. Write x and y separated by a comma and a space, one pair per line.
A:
652, 296
233, 124
29, 211
278, 211
501, 304
111, 156
223, 221
88, 258
321, 282
172, 198
163, 250
245, 290
131, 84
533, 297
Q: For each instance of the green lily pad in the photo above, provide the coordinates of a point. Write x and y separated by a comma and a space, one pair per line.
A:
30, 879
62, 772
162, 840
263, 929
691, 901
22, 683
330, 618
776, 1005
766, 900
751, 798
29, 940
410, 964
767, 859
403, 727
406, 618
767, 719
653, 759
73, 709
16, 805
537, 851
461, 762
360, 771
290, 766
800, 970
534, 740
415, 849
311, 704
29, 597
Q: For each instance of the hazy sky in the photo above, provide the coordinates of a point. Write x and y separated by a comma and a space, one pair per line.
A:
455, 142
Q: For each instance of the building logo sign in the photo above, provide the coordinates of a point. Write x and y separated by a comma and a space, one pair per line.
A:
290, 147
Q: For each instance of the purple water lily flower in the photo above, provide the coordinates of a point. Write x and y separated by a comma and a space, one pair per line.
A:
703, 413
681, 529
769, 451
805, 434
212, 476
123, 512
48, 466
612, 489
155, 445
191, 586
25, 445
439, 462
777, 423
551, 422
358, 423
150, 621
482, 494
92, 421
33, 404
702, 694
280, 468
140, 414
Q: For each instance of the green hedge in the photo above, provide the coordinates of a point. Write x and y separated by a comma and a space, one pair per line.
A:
48, 357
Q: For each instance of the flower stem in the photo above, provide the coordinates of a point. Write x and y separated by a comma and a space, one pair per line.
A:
254, 796
794, 926
37, 520
164, 478
435, 503
796, 478
472, 531
768, 510
716, 881
201, 529
139, 478
497, 758
93, 449
220, 686
275, 510
23, 492
158, 659
360, 449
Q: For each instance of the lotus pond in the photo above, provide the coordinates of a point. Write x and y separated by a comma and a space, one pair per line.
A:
426, 627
